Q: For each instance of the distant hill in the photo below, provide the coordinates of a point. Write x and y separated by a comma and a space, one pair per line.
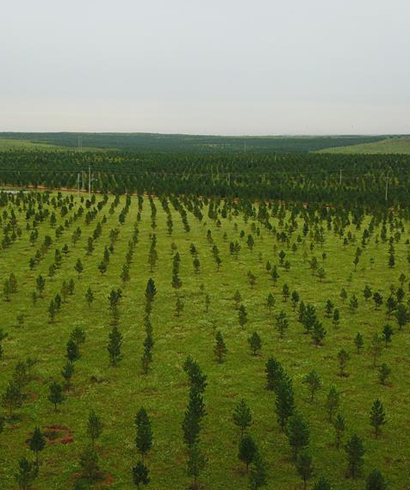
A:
187, 143
385, 146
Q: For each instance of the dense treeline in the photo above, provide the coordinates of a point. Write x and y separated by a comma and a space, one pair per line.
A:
343, 179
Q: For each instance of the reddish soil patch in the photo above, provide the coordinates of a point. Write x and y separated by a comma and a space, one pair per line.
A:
105, 480
58, 434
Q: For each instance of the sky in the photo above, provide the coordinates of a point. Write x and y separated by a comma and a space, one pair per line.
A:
233, 67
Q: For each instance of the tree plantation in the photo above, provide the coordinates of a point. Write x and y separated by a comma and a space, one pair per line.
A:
207, 323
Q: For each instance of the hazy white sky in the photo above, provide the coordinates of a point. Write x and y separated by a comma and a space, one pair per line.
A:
205, 66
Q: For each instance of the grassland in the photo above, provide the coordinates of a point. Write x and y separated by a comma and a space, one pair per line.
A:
116, 393
386, 146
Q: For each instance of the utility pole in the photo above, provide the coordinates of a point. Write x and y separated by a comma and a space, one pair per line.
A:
78, 183
89, 180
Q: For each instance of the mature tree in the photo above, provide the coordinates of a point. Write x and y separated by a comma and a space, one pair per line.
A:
144, 438
56, 395
313, 382
376, 481
247, 450
37, 443
377, 416
297, 431
140, 474
354, 454
94, 426
242, 416
114, 346
220, 349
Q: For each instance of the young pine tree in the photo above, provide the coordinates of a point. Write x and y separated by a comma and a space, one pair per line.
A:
247, 450
284, 403
257, 474
114, 346
220, 349
340, 428
140, 474
313, 383
242, 416
332, 402
377, 416
354, 455
67, 373
304, 468
56, 395
37, 443
144, 438
376, 481
196, 464
255, 343
94, 426
26, 473
297, 431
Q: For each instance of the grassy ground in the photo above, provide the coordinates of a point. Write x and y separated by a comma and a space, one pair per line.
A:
387, 146
119, 392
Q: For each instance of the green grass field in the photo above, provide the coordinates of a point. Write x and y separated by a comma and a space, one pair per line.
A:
12, 144
387, 146
116, 393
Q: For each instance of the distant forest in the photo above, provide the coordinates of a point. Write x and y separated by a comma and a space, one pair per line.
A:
189, 143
